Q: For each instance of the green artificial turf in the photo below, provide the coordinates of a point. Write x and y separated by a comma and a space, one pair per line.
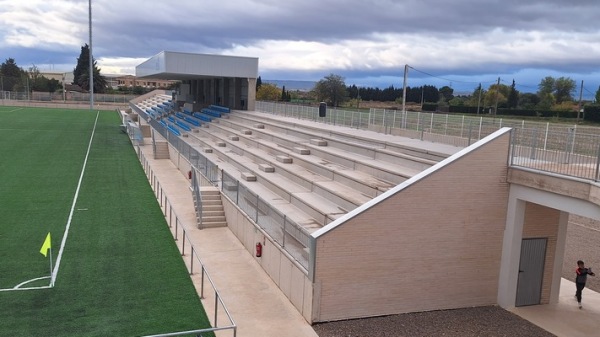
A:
121, 273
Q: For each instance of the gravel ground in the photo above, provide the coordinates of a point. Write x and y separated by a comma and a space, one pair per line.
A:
583, 243
469, 322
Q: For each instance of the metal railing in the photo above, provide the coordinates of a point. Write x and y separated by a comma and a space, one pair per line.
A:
571, 150
293, 238
194, 262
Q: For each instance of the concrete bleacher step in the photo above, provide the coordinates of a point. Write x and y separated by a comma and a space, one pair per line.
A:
266, 168
284, 159
247, 176
318, 142
301, 150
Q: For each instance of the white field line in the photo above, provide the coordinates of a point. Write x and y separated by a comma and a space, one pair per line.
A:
64, 240
66, 234
18, 287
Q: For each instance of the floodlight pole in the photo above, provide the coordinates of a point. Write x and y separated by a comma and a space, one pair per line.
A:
91, 77
404, 88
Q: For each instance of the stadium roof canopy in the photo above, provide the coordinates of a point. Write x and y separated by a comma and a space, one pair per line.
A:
170, 65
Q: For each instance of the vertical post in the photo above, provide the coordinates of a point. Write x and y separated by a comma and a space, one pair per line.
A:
579, 105
546, 136
51, 269
462, 126
202, 282
183, 245
470, 129
480, 125
192, 262
404, 88
216, 307
91, 77
597, 175
497, 97
479, 99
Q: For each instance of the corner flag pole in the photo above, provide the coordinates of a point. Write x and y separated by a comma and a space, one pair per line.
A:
51, 279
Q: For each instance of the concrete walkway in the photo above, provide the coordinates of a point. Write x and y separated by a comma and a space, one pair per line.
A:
565, 319
255, 302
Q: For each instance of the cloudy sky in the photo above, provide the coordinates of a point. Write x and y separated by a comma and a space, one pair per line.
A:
445, 42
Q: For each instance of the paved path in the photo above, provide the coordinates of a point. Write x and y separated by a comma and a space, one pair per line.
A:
255, 302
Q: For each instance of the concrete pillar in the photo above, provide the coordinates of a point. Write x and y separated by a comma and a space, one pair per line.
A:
511, 252
237, 95
561, 242
251, 94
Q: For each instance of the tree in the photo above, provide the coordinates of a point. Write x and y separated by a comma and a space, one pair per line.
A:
477, 97
501, 91
555, 91
258, 83
528, 100
563, 89
331, 89
268, 92
597, 95
12, 75
81, 73
446, 93
513, 97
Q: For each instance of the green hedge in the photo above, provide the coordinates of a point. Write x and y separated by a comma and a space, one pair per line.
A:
591, 113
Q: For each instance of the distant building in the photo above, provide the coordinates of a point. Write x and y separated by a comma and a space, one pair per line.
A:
133, 81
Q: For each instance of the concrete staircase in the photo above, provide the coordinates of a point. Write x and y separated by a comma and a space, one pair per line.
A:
213, 214
161, 150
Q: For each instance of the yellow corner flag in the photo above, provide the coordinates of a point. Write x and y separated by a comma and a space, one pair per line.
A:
47, 245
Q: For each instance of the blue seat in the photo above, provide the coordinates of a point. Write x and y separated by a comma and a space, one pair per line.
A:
211, 112
220, 108
202, 117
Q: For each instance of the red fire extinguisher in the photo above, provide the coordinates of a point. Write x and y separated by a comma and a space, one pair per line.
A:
190, 174
258, 249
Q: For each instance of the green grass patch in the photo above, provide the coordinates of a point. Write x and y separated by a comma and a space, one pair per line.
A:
121, 273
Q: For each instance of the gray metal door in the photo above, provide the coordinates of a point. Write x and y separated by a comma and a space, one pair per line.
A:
531, 272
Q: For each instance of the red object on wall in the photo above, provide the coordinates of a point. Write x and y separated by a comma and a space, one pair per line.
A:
189, 174
258, 249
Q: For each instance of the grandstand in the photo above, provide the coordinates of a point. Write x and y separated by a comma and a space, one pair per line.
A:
343, 219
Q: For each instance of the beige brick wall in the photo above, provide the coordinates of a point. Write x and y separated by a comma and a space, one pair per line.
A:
542, 222
434, 245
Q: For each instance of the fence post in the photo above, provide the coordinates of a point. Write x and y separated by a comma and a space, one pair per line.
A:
216, 308
176, 229
284, 231
533, 144
480, 125
597, 175
470, 129
202, 282
192, 262
546, 137
256, 218
183, 245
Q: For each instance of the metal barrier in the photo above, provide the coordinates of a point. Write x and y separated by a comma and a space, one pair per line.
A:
193, 263
570, 150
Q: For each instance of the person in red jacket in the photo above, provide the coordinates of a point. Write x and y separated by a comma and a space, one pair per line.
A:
581, 277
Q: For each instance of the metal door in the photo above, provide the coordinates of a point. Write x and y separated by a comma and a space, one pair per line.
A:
531, 271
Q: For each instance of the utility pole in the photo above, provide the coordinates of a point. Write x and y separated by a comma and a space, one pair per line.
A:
580, 98
497, 97
422, 96
404, 90
91, 58
479, 99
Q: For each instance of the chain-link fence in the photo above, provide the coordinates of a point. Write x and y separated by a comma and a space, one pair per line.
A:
64, 97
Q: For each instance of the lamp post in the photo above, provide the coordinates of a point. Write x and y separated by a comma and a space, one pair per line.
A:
91, 77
